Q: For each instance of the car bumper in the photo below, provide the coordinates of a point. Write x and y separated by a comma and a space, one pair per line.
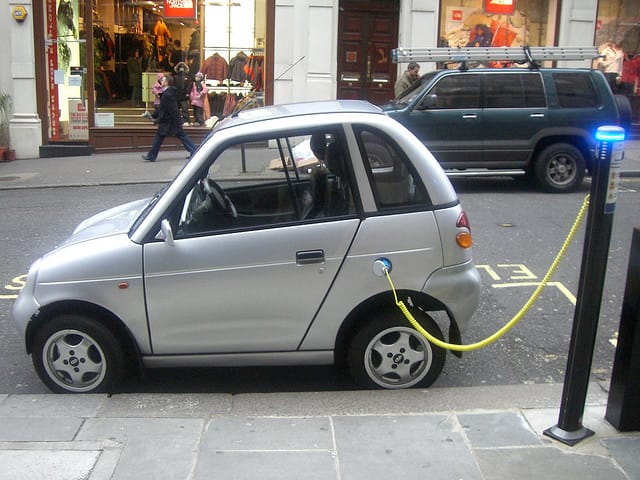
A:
458, 287
26, 305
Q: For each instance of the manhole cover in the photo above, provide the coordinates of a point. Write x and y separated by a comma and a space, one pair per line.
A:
9, 178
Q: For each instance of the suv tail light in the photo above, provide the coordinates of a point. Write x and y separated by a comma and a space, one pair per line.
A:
463, 239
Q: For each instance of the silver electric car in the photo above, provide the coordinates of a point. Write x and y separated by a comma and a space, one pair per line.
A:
264, 250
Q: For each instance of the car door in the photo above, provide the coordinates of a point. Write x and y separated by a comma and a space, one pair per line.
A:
252, 286
448, 119
515, 112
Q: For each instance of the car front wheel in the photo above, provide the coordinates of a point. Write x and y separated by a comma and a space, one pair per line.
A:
560, 168
389, 353
76, 354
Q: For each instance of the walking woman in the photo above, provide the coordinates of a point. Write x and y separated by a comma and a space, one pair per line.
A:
169, 121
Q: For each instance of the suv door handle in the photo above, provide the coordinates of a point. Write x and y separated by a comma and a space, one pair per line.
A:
537, 115
469, 116
307, 257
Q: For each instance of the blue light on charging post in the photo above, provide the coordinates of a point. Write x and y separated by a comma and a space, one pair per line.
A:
610, 134
602, 201
610, 149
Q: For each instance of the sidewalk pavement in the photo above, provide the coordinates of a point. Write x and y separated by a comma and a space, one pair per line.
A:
488, 432
129, 168
485, 433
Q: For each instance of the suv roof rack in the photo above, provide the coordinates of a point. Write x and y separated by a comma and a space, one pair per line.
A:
526, 54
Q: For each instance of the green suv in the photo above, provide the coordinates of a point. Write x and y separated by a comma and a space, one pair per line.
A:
540, 120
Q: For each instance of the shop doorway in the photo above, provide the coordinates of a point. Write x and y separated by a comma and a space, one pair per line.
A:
368, 30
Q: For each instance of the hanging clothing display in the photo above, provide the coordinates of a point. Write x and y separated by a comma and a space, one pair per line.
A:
236, 68
215, 67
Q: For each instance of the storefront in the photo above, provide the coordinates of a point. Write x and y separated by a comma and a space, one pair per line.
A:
102, 58
92, 88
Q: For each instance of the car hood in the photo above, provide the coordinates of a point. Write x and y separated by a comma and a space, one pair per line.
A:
108, 222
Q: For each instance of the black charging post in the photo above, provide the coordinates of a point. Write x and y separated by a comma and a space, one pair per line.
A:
602, 202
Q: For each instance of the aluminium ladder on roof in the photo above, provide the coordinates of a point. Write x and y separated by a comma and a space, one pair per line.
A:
526, 54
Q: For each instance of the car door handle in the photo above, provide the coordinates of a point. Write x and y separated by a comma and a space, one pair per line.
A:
537, 115
307, 257
469, 116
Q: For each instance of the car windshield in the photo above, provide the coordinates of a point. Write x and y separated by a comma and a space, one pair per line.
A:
414, 90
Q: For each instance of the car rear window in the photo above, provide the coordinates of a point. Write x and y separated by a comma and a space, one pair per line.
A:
575, 90
394, 182
514, 91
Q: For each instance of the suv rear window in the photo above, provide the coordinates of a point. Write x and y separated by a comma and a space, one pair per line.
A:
514, 90
575, 90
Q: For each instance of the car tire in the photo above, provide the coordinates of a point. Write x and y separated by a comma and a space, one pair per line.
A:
76, 354
625, 112
389, 353
560, 168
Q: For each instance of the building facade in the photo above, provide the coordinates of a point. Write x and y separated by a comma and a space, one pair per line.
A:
81, 72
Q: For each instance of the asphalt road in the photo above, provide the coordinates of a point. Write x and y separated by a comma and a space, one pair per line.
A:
517, 232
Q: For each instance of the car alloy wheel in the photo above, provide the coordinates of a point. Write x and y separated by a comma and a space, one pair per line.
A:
389, 354
73, 354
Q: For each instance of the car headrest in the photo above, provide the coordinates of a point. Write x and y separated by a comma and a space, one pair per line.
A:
318, 145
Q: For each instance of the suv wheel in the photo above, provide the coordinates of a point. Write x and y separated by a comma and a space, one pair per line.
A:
560, 168
389, 353
75, 354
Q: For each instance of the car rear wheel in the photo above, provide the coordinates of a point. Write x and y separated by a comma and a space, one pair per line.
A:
76, 354
389, 353
560, 168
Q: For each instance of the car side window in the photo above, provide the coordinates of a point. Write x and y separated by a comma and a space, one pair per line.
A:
575, 90
276, 181
455, 91
513, 90
393, 182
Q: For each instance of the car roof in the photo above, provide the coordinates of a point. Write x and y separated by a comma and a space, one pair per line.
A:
273, 112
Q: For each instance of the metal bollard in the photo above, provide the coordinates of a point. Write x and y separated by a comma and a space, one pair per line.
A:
623, 405
604, 190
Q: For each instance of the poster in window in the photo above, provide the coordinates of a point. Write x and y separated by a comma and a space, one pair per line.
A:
500, 7
180, 8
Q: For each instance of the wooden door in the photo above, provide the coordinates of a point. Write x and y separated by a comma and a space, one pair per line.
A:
368, 30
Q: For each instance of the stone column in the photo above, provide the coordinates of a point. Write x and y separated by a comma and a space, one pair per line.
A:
24, 125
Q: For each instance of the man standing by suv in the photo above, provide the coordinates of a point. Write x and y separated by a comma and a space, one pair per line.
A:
407, 78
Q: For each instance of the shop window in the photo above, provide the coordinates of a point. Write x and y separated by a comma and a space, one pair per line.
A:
468, 23
135, 41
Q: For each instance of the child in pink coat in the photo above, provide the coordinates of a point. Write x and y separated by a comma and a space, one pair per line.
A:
197, 96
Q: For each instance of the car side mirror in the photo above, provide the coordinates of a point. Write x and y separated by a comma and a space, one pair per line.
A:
166, 232
427, 102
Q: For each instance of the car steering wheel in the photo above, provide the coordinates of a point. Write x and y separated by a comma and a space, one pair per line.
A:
219, 197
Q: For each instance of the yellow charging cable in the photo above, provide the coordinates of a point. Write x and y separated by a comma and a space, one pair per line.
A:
512, 323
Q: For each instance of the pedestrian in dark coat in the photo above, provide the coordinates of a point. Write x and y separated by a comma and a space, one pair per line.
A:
169, 121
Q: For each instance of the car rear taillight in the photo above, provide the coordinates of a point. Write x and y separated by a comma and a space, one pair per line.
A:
463, 239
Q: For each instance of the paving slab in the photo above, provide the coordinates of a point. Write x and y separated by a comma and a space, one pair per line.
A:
304, 465
492, 430
407, 447
46, 465
51, 405
166, 405
157, 448
549, 463
233, 433
625, 451
35, 429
